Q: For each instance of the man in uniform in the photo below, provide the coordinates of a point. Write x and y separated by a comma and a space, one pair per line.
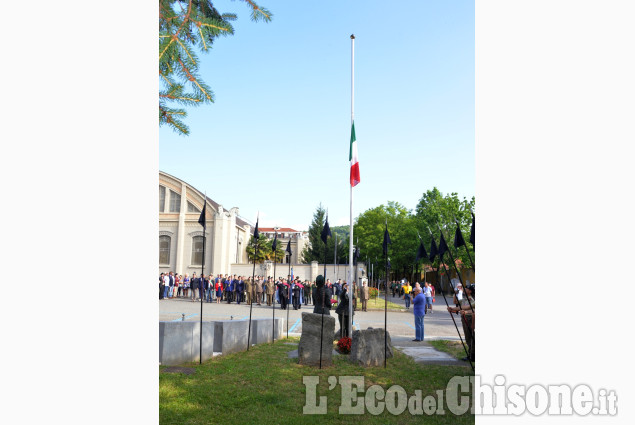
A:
283, 293
270, 291
467, 316
258, 290
365, 295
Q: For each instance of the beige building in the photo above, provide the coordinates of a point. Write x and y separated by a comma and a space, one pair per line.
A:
285, 234
181, 236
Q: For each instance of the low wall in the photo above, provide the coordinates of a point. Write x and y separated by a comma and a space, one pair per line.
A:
179, 342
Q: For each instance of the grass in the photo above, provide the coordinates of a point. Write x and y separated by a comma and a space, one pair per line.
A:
454, 348
378, 304
264, 386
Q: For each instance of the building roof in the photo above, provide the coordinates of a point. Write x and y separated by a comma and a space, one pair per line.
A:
278, 229
240, 221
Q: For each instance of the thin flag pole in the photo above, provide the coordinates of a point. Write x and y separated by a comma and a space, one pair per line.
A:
440, 290
385, 249
455, 268
273, 301
253, 278
458, 231
350, 238
288, 294
202, 222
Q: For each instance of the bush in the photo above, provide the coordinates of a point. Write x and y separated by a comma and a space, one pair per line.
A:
373, 292
344, 345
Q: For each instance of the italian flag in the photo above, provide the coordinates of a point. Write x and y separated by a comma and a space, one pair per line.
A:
353, 158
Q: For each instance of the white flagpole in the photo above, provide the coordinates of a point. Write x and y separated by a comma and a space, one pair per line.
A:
350, 243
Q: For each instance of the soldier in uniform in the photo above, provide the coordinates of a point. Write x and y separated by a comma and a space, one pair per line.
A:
258, 290
283, 294
467, 316
271, 289
365, 295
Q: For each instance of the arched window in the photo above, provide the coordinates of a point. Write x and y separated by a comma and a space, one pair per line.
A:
161, 198
175, 202
164, 249
197, 250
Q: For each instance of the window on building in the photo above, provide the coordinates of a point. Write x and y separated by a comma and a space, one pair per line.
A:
175, 202
161, 198
197, 250
164, 249
191, 208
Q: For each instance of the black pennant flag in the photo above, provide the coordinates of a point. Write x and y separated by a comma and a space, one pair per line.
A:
201, 219
256, 232
274, 245
355, 255
472, 231
326, 231
421, 252
289, 248
458, 237
443, 247
386, 240
433, 250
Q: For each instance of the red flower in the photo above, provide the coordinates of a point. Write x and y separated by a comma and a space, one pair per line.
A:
344, 345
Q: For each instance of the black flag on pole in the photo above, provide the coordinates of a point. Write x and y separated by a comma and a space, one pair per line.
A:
256, 232
458, 237
289, 248
201, 219
443, 247
386, 240
472, 231
356, 255
421, 252
326, 231
433, 250
274, 245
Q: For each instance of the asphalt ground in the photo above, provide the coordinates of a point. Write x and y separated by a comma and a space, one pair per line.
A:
438, 325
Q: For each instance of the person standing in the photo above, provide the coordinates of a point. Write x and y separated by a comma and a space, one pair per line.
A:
419, 311
270, 291
467, 318
342, 311
427, 293
296, 295
365, 295
161, 286
406, 294
283, 293
171, 285
259, 290
194, 286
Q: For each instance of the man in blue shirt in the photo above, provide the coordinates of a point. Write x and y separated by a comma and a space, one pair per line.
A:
419, 304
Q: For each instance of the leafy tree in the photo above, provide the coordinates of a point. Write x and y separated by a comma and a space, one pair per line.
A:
314, 250
265, 250
187, 27
436, 211
370, 226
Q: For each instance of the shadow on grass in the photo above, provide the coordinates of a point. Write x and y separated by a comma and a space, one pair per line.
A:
264, 386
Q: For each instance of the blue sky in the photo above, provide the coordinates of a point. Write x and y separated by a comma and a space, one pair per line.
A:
276, 140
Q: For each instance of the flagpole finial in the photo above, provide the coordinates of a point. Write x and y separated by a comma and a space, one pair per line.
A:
352, 36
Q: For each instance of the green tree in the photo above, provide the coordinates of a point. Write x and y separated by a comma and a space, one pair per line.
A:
265, 250
314, 250
187, 27
436, 211
370, 226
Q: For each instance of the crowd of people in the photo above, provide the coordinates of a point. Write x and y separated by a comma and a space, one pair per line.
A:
295, 292
240, 289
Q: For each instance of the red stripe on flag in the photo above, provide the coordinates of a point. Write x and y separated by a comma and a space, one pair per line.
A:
355, 174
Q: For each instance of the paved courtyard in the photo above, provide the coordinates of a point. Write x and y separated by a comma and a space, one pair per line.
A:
400, 323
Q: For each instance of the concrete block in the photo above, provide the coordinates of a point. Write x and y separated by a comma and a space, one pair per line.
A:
179, 342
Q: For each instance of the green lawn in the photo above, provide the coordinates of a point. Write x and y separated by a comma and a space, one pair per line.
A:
454, 348
264, 386
378, 304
